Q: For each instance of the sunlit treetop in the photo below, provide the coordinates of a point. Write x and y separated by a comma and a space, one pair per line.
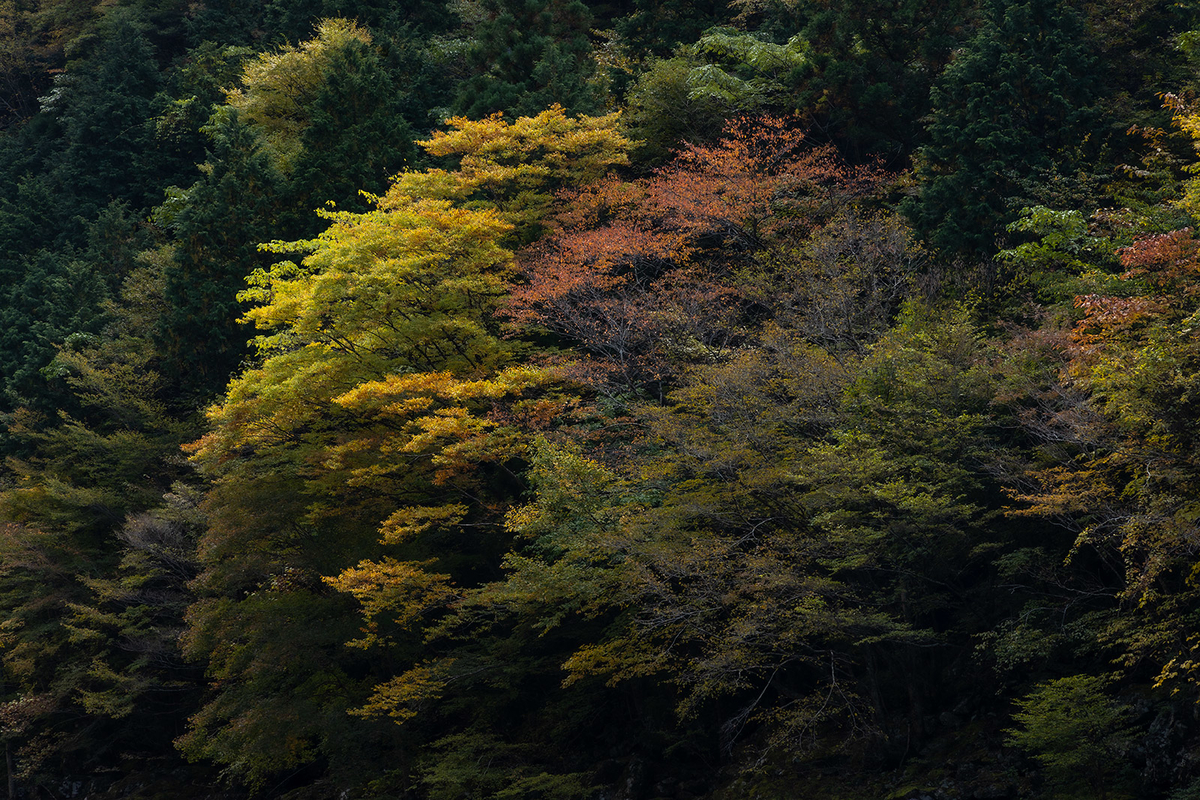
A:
279, 87
516, 167
1187, 118
409, 287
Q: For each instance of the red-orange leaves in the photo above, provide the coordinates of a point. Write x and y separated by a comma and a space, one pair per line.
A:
762, 175
644, 275
1104, 316
1168, 262
1162, 272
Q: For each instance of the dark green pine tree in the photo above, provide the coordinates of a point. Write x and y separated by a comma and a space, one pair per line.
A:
191, 89
58, 294
657, 27
357, 138
32, 217
529, 54
427, 82
105, 106
874, 62
55, 294
218, 224
1019, 101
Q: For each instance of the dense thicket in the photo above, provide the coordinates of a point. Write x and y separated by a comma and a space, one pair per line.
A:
566, 399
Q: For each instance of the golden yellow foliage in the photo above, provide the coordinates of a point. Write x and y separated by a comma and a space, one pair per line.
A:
516, 167
404, 591
378, 429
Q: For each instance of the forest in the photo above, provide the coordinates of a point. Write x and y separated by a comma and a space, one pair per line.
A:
600, 399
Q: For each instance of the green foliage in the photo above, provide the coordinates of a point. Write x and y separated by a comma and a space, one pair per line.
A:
311, 125
483, 766
1080, 735
217, 224
763, 66
370, 451
140, 607
52, 301
1189, 792
283, 701
95, 578
568, 563
356, 137
725, 74
280, 87
528, 55
185, 103
1067, 259
874, 62
1014, 107
105, 107
1127, 51
657, 27
29, 221
714, 494
800, 501
54, 296
663, 112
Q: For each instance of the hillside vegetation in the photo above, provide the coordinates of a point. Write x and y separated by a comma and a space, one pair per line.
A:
633, 400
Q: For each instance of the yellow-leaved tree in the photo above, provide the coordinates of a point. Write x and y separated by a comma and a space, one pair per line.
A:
375, 441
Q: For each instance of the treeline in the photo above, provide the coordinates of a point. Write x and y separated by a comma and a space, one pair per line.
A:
549, 399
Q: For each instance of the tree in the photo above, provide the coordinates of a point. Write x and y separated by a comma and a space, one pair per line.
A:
356, 137
1113, 468
517, 167
646, 276
23, 65
52, 301
310, 125
386, 404
331, 118
1015, 107
657, 27
872, 68
689, 97
785, 543
217, 225
56, 295
104, 107
859, 476
97, 562
401, 289
1077, 732
528, 56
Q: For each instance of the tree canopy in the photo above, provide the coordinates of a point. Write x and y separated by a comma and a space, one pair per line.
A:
644, 400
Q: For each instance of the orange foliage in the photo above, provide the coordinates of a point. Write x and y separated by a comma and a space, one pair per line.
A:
1169, 262
1163, 269
642, 274
1104, 316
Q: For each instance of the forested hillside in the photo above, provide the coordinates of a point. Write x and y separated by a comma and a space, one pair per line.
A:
631, 400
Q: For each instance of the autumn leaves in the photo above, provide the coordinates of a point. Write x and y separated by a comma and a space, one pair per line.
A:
527, 439
430, 374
